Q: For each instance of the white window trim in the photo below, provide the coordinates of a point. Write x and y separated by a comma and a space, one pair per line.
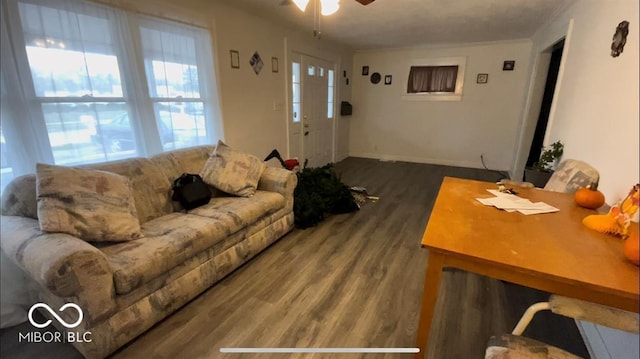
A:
460, 61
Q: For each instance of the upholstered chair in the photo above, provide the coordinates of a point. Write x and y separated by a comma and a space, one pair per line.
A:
571, 175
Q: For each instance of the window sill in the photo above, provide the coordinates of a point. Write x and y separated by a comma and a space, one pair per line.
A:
431, 97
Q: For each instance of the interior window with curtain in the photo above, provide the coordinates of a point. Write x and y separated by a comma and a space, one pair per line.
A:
85, 82
432, 79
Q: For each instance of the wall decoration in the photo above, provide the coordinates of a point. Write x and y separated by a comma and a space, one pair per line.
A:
365, 70
256, 62
235, 59
482, 78
619, 38
375, 78
387, 79
508, 65
344, 73
274, 64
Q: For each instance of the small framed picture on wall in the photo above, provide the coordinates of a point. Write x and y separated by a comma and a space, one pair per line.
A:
508, 65
387, 79
365, 70
235, 59
274, 64
482, 78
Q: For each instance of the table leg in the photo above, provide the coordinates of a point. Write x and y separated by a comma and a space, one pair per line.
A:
429, 297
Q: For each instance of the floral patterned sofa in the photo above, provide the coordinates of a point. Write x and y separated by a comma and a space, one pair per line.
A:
124, 288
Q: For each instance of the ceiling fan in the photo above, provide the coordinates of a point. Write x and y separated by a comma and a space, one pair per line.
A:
324, 7
303, 3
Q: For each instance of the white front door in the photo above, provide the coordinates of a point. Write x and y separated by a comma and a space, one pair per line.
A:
311, 132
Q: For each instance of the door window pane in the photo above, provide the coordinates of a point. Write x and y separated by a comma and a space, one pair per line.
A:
330, 91
295, 89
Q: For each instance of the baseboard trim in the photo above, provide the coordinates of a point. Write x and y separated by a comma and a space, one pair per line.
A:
412, 159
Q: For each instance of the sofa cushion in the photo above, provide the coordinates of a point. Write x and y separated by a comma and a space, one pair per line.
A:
151, 189
238, 212
168, 241
232, 171
88, 204
187, 160
19, 197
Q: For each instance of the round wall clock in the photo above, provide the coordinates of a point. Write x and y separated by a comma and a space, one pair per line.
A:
375, 77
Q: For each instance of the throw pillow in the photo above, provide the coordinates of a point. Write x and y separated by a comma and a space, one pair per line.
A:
89, 204
233, 172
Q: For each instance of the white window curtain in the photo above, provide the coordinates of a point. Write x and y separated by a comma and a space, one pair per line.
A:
96, 83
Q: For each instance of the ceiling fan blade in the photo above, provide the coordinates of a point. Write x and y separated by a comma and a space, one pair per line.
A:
365, 2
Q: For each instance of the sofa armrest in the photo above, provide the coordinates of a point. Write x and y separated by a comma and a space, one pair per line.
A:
66, 266
281, 181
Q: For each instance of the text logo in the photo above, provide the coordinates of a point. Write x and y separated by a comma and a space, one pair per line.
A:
55, 315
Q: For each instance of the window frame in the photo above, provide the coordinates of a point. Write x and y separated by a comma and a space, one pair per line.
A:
459, 61
31, 125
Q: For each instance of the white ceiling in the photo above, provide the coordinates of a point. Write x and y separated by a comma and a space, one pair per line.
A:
405, 23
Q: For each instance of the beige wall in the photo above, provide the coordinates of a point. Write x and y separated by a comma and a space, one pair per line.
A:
254, 107
596, 116
442, 132
596, 108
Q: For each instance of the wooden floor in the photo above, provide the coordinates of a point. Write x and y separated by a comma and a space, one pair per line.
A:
355, 280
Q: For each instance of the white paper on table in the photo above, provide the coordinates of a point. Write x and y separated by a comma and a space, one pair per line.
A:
512, 203
544, 208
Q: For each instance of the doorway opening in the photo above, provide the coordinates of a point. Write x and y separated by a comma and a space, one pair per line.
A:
545, 108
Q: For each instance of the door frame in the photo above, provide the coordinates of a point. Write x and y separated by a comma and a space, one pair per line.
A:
291, 56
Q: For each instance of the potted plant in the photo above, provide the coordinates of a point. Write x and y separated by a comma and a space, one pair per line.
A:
542, 170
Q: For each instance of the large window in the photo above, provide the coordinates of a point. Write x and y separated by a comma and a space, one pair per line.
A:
102, 84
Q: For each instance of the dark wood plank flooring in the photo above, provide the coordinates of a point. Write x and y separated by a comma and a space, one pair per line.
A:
355, 280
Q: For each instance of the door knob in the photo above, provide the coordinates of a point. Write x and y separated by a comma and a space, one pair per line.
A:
306, 133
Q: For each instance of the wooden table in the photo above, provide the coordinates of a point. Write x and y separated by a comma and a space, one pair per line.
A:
553, 252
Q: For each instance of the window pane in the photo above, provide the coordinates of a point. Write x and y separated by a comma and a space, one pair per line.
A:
296, 112
330, 95
295, 72
89, 132
70, 54
295, 89
296, 92
180, 124
170, 62
6, 172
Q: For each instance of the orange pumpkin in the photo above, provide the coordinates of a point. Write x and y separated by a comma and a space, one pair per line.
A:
589, 197
631, 248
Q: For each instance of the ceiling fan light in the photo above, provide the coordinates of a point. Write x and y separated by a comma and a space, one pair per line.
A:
301, 4
329, 6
